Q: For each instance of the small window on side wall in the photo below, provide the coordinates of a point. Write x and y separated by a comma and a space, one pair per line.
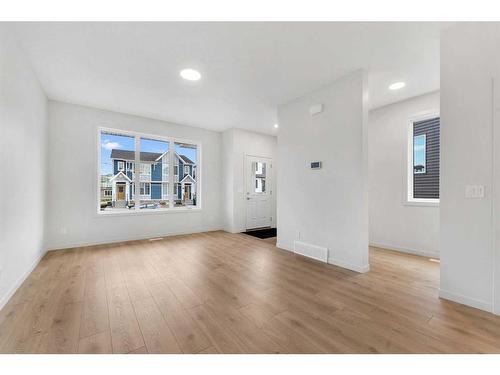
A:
424, 159
419, 159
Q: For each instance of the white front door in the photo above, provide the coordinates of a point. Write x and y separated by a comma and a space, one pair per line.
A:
258, 181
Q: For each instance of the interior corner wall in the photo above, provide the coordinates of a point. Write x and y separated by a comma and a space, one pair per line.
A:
228, 180
72, 218
326, 207
393, 223
23, 166
237, 144
469, 66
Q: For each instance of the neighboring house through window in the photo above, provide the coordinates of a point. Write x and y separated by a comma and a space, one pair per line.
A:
121, 151
423, 159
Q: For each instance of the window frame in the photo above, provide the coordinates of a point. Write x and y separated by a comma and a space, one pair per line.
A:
137, 197
408, 185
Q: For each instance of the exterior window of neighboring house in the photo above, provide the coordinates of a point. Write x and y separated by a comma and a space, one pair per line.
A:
121, 151
177, 191
145, 188
423, 159
145, 168
164, 190
164, 171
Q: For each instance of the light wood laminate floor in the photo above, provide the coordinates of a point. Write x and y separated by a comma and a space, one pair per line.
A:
231, 293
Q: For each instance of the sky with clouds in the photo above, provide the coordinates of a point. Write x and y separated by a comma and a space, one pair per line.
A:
121, 142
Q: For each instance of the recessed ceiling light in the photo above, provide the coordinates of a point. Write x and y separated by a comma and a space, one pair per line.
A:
397, 85
190, 74
276, 126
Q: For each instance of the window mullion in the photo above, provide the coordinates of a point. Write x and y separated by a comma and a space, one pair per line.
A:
171, 160
137, 171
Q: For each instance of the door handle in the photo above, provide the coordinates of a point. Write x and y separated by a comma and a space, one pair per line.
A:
248, 198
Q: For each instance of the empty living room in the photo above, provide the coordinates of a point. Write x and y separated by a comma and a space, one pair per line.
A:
249, 190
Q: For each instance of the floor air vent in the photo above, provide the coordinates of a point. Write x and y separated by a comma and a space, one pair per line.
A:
311, 251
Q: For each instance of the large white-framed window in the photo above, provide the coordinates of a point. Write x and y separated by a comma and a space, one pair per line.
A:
423, 159
120, 151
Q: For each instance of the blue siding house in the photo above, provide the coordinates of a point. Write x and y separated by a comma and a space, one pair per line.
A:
154, 183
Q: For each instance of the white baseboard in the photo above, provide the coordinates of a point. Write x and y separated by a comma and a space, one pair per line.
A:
132, 238
427, 254
496, 310
336, 262
7, 296
319, 253
353, 267
282, 246
464, 300
233, 230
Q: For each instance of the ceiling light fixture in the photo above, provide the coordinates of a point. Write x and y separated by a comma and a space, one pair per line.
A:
190, 74
397, 85
276, 126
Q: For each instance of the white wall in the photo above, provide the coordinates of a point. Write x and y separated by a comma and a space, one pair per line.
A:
327, 207
72, 217
393, 223
469, 58
23, 166
236, 144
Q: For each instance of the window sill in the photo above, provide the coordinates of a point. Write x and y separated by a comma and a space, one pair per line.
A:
422, 203
176, 210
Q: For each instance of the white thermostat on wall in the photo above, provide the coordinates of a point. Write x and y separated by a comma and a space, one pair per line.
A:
315, 165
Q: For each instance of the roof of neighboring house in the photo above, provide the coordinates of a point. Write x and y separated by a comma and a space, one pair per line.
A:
186, 160
145, 156
120, 175
130, 155
188, 177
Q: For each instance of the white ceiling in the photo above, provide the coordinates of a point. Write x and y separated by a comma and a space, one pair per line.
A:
247, 68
